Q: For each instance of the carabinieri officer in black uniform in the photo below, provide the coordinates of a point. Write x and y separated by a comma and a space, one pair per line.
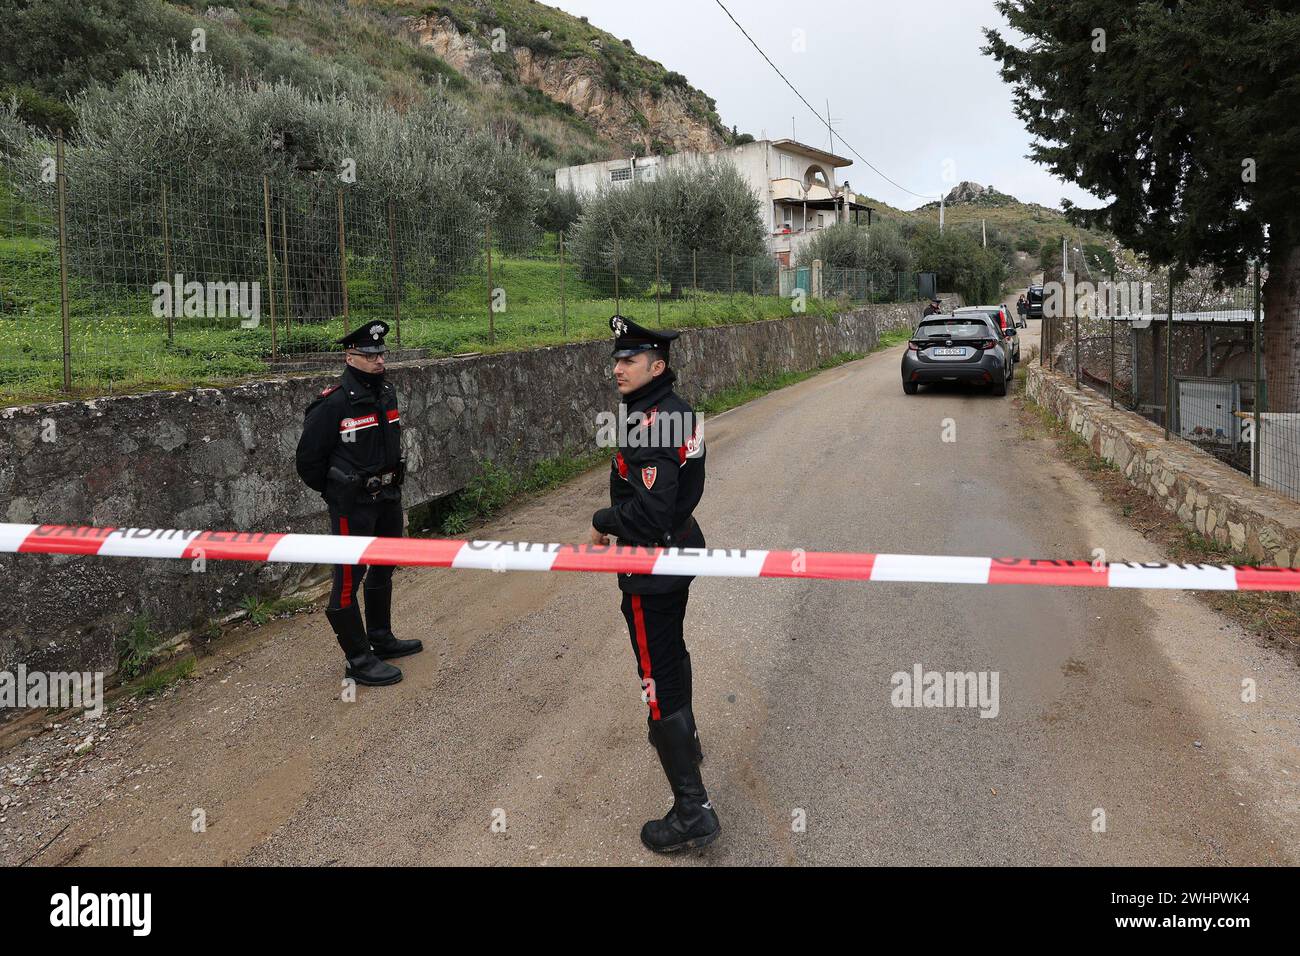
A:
656, 481
351, 452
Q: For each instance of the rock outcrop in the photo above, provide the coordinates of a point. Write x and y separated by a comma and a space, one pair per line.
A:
639, 119
969, 192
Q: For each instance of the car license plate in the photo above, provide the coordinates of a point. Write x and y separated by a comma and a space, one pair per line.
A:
950, 352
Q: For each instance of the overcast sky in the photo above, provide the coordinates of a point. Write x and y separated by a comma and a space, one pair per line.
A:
906, 82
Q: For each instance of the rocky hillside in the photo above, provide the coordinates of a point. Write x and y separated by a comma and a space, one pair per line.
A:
629, 100
560, 86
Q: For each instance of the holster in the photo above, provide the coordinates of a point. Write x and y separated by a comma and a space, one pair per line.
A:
342, 488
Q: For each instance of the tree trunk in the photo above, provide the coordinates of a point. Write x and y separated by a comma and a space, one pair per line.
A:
1281, 303
316, 291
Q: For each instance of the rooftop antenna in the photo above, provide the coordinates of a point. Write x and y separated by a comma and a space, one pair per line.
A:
830, 124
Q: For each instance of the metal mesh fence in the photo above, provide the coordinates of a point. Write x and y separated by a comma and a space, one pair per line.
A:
163, 282
1194, 360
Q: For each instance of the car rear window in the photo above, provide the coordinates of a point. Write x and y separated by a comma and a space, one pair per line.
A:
953, 328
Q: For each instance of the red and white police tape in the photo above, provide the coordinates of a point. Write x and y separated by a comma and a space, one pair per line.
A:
710, 562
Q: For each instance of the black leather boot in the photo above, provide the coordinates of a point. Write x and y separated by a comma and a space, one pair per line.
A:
379, 629
690, 716
692, 822
363, 666
695, 734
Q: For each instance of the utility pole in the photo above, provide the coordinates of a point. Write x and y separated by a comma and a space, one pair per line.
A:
984, 234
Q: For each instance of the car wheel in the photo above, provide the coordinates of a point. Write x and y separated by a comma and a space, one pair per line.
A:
1000, 387
909, 388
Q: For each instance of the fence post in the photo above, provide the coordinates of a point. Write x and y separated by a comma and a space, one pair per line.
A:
1259, 395
61, 175
167, 261
659, 316
284, 271
397, 288
695, 285
343, 264
732, 280
1053, 334
618, 308
564, 312
1042, 334
270, 258
492, 325
1110, 323
1169, 357
1077, 370
1054, 328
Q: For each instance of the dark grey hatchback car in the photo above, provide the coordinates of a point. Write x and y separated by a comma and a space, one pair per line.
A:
949, 348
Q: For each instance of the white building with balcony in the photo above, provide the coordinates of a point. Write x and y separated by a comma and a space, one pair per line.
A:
795, 184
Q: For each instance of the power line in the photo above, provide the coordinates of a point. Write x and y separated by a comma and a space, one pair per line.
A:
813, 111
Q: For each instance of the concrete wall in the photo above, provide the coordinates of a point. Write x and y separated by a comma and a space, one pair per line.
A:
1206, 495
222, 459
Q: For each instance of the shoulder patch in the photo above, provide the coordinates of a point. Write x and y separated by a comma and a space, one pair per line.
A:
332, 388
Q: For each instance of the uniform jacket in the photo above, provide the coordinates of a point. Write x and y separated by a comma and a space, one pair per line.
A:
356, 428
655, 485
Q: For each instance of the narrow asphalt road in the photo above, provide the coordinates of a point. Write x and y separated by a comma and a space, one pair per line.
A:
518, 737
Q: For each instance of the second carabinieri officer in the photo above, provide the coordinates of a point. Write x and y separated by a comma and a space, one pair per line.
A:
655, 483
351, 452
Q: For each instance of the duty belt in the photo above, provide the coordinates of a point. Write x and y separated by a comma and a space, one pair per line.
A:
391, 478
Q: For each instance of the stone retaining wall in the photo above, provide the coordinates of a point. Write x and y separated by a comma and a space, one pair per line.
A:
1216, 501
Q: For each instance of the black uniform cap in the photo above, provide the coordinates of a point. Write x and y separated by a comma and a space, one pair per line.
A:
630, 338
369, 338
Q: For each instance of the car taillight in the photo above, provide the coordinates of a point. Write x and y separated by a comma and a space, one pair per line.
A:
987, 344
913, 347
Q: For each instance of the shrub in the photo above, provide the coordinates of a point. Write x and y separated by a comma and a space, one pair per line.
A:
560, 210
961, 264
846, 245
706, 207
